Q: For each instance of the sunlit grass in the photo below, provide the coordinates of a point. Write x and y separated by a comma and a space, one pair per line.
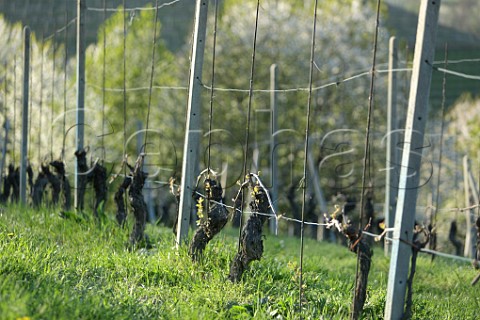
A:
55, 268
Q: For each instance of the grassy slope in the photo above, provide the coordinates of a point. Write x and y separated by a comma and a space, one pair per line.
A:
52, 268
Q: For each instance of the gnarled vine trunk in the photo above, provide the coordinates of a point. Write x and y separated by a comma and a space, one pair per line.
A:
59, 167
416, 247
452, 237
139, 207
215, 220
251, 242
99, 177
83, 176
12, 184
7, 183
119, 198
39, 186
360, 246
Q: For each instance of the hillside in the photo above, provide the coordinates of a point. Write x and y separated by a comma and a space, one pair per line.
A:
461, 45
44, 17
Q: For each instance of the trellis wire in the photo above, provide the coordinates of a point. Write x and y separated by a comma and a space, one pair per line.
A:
41, 101
157, 7
456, 209
14, 141
247, 129
283, 217
124, 82
14, 138
366, 159
329, 84
305, 161
65, 65
338, 82
125, 162
152, 73
102, 139
210, 115
457, 61
53, 35
270, 203
437, 195
456, 73
377, 237
54, 54
5, 117
30, 104
137, 88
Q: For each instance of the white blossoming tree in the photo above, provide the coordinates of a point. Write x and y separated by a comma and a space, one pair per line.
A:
343, 48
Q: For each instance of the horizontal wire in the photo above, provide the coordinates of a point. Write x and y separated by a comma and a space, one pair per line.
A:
266, 192
332, 224
432, 207
439, 253
299, 89
457, 74
136, 88
133, 9
280, 216
457, 61
424, 250
331, 84
282, 90
446, 255
110, 10
61, 29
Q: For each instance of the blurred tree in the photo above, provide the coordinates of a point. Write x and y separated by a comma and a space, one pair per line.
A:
343, 48
166, 116
46, 93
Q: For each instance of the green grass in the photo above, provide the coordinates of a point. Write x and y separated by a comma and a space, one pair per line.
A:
54, 268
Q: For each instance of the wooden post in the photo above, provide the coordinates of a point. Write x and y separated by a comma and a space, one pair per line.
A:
412, 157
25, 98
80, 121
273, 144
391, 159
193, 125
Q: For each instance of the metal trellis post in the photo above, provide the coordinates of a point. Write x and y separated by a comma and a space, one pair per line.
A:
193, 125
412, 157
470, 234
391, 159
273, 143
25, 98
80, 121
